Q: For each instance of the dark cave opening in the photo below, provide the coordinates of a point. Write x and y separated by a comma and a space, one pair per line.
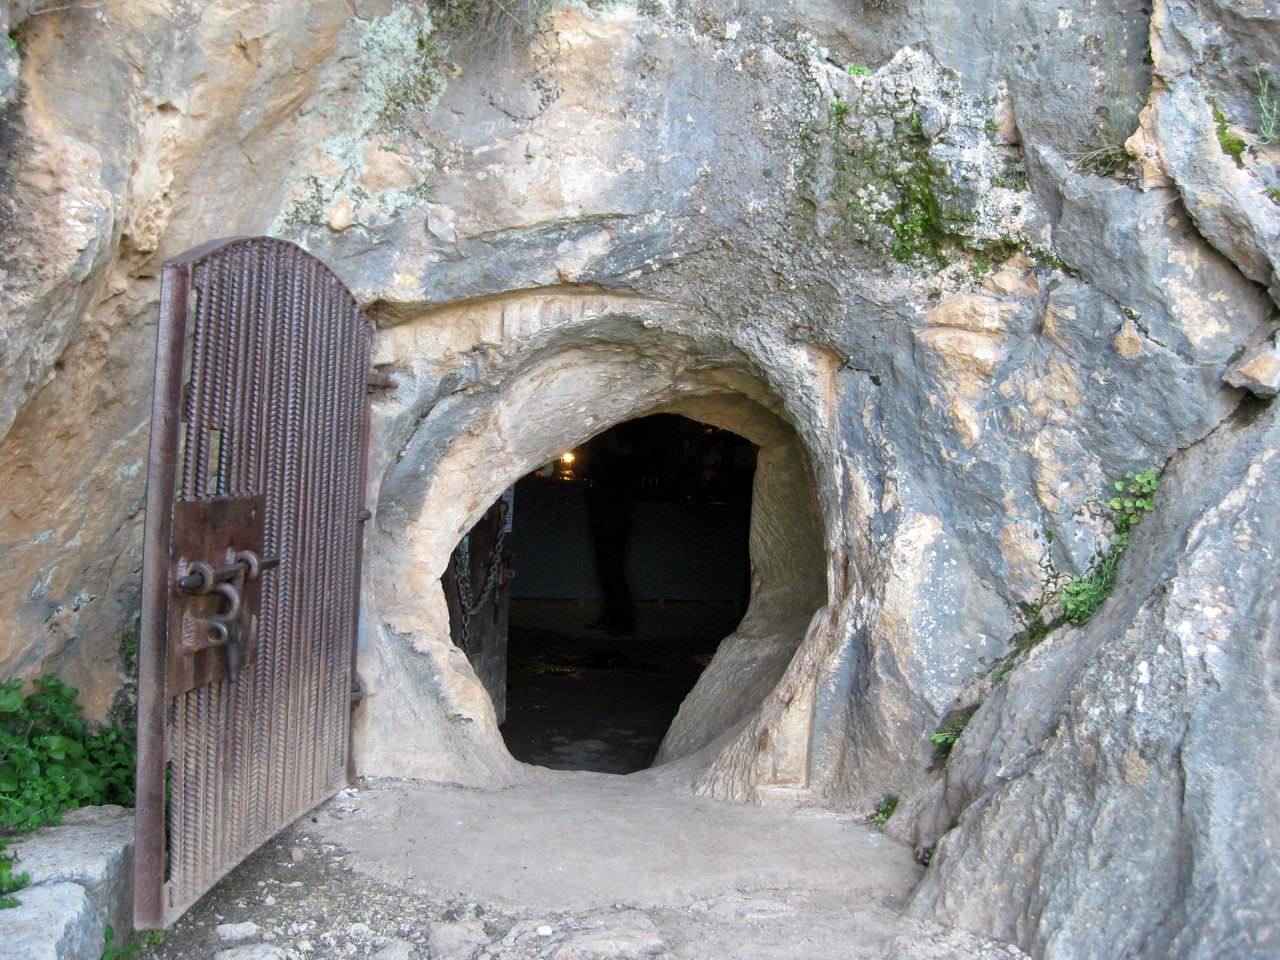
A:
628, 564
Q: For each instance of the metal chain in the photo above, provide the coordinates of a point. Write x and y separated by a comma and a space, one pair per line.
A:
471, 604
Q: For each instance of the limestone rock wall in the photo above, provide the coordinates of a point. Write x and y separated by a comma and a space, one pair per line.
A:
880, 224
1116, 795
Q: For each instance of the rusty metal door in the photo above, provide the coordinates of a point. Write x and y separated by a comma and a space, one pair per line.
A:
251, 560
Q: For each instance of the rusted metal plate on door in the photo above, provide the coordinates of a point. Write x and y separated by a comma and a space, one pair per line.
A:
213, 532
251, 560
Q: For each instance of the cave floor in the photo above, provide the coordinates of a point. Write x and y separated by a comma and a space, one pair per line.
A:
567, 866
579, 699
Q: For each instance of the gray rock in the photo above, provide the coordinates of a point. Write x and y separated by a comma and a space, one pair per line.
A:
402, 950
1207, 53
53, 921
460, 940
235, 932
1259, 372
626, 935
696, 207
1115, 795
93, 847
949, 945
253, 951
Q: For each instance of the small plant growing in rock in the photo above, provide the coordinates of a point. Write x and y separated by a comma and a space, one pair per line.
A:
1134, 498
131, 947
944, 739
884, 810
1075, 600
10, 881
858, 70
1232, 144
1123, 103
1268, 109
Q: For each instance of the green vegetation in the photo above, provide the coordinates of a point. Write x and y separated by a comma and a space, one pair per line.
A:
858, 70
1134, 498
1108, 161
918, 225
10, 882
839, 110
1075, 600
896, 199
132, 947
52, 759
1268, 109
948, 732
884, 810
1124, 99
1082, 596
1231, 143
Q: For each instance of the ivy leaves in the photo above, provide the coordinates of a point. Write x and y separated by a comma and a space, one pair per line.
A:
52, 759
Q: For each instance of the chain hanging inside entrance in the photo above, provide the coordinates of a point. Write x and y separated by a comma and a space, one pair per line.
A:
469, 602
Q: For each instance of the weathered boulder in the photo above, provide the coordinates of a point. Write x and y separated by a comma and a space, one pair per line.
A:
1259, 371
55, 921
1211, 61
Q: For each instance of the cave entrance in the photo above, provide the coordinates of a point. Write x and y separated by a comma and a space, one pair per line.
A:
437, 706
631, 565
592, 595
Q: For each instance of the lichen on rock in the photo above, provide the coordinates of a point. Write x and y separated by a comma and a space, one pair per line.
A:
918, 175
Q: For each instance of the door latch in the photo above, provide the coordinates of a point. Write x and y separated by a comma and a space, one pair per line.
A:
222, 628
217, 569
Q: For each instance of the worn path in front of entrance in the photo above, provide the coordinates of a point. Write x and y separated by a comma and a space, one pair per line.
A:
569, 866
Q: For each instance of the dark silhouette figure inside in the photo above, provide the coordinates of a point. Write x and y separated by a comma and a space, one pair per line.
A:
610, 471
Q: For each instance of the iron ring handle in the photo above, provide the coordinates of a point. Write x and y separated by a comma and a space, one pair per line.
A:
229, 591
220, 635
223, 635
199, 578
253, 566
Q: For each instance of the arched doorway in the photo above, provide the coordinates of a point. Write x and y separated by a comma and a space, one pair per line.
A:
444, 452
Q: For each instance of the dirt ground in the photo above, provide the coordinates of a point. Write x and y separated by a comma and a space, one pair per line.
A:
571, 866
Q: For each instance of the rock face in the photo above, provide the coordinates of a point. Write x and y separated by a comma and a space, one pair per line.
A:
871, 236
80, 881
1138, 746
